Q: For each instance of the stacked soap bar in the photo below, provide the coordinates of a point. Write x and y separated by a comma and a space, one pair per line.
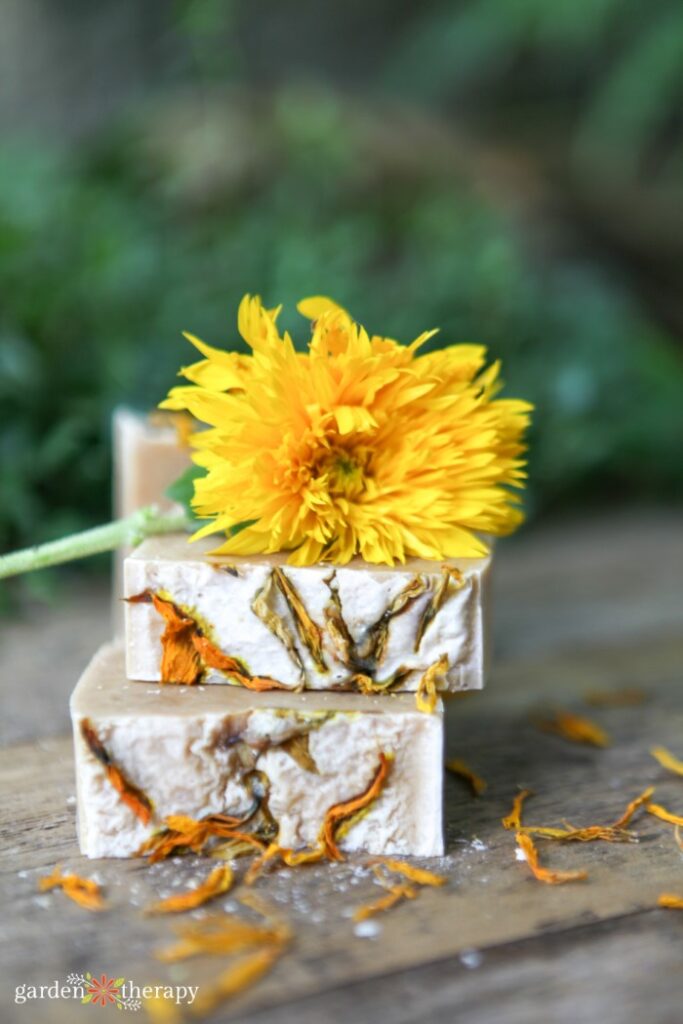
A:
356, 627
197, 751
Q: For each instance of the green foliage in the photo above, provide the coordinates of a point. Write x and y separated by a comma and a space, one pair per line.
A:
107, 256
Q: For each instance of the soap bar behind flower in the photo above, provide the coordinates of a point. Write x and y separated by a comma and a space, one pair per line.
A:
277, 763
258, 622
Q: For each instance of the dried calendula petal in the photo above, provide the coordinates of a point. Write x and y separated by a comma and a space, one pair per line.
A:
83, 891
394, 895
180, 660
457, 767
615, 833
219, 881
212, 657
292, 858
275, 624
337, 629
367, 684
235, 979
661, 812
631, 809
346, 813
378, 634
183, 833
410, 871
426, 695
575, 728
527, 846
514, 819
220, 936
309, 632
298, 749
161, 1010
132, 796
671, 900
436, 601
667, 760
627, 697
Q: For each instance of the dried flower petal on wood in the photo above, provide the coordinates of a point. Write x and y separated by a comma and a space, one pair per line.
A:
661, 812
575, 728
219, 881
670, 900
410, 871
459, 768
667, 760
235, 979
526, 844
394, 895
83, 891
514, 819
627, 697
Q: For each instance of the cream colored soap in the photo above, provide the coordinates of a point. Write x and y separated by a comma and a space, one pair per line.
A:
147, 460
189, 751
386, 624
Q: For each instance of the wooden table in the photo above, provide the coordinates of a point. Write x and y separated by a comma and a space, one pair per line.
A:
590, 606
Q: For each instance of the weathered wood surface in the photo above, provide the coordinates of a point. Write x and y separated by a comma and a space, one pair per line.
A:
594, 606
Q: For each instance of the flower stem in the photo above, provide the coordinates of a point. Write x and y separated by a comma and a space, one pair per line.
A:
132, 530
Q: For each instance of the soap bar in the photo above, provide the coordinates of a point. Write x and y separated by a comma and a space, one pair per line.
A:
360, 627
142, 755
148, 458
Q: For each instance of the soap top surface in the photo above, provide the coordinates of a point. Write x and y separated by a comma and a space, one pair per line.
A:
104, 690
178, 547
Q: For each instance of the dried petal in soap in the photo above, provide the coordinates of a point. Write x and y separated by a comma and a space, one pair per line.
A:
298, 749
341, 817
132, 796
436, 602
180, 660
212, 657
309, 632
378, 635
426, 695
275, 624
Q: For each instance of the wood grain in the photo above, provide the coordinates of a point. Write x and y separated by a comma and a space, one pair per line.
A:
494, 944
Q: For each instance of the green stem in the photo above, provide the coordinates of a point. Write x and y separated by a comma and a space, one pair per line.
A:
122, 532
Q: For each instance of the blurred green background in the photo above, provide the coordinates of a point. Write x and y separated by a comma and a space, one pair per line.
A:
508, 171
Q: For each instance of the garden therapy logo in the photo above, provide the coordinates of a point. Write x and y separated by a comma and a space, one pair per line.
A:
105, 991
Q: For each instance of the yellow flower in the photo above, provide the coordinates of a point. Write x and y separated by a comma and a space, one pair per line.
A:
360, 446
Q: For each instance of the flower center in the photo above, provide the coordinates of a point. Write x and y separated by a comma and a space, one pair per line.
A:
345, 471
